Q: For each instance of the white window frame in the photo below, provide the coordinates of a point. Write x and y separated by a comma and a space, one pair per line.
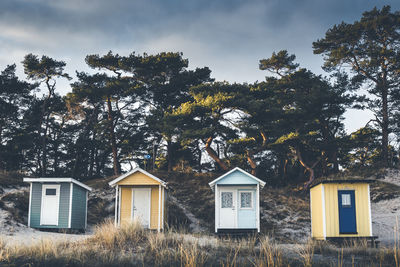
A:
231, 207
346, 197
251, 202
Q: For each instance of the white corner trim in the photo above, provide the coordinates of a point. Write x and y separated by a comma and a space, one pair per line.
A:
159, 208
258, 207
369, 210
30, 204
71, 190
311, 213
132, 203
216, 208
149, 190
87, 196
119, 208
116, 207
162, 208
323, 212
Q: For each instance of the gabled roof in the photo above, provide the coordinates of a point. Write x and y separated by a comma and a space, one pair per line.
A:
56, 180
212, 184
137, 169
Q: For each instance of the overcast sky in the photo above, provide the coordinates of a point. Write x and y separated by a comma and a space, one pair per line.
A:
228, 36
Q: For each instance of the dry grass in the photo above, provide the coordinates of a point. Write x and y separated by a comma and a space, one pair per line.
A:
306, 252
269, 255
130, 245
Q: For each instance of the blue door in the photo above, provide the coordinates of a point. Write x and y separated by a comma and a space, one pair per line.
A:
246, 216
347, 212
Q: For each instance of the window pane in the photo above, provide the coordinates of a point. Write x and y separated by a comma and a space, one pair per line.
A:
51, 192
346, 200
226, 200
245, 200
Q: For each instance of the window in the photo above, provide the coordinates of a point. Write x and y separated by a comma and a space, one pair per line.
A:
226, 199
346, 200
246, 200
51, 192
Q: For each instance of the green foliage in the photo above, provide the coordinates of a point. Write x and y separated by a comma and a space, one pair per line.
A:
279, 63
286, 128
370, 48
44, 68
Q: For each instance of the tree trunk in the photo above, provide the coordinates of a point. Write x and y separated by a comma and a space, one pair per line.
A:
116, 166
92, 157
199, 159
82, 139
57, 141
214, 155
251, 161
50, 88
282, 170
335, 162
310, 169
169, 155
44, 148
385, 127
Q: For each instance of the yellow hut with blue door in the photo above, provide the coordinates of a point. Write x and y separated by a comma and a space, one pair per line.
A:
140, 196
341, 209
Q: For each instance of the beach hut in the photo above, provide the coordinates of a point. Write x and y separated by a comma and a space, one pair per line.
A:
341, 209
57, 203
237, 202
140, 196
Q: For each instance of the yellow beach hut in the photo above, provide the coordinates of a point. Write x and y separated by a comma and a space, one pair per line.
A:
341, 209
140, 196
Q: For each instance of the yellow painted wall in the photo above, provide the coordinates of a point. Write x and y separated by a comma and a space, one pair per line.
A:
154, 208
138, 178
332, 209
317, 230
126, 205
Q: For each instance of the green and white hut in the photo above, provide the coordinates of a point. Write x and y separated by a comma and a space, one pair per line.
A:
57, 203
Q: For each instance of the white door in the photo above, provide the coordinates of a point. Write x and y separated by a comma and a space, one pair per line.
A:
50, 204
141, 200
227, 208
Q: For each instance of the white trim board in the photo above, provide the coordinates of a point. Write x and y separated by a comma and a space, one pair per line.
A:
159, 208
30, 204
369, 210
119, 207
116, 206
323, 212
212, 184
162, 208
258, 207
137, 169
71, 190
87, 196
56, 180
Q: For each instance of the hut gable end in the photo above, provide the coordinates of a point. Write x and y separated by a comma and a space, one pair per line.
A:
138, 178
237, 177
